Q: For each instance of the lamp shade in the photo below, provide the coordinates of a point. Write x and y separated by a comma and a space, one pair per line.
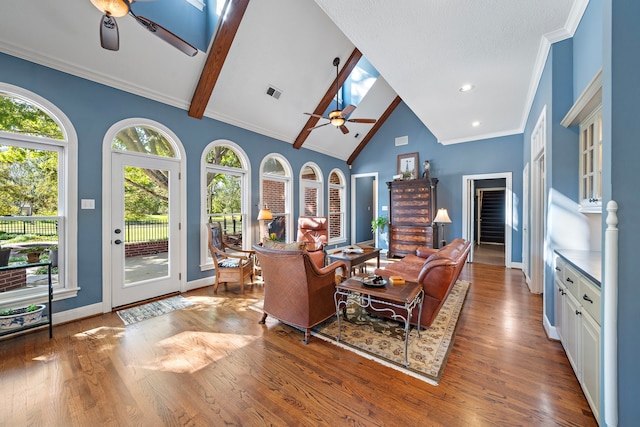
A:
265, 214
442, 216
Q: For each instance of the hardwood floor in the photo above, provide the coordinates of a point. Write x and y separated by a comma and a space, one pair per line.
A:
212, 364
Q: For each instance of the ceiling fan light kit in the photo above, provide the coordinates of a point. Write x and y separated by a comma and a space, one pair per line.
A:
115, 8
338, 117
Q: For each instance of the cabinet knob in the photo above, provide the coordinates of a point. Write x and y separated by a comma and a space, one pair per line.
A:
586, 298
578, 313
569, 280
557, 268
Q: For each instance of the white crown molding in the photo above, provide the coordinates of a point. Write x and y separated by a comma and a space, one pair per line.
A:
42, 59
586, 103
481, 137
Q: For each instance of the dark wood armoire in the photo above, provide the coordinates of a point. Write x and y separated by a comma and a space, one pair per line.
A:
412, 207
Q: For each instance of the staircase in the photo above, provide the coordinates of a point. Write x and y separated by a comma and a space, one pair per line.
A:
491, 208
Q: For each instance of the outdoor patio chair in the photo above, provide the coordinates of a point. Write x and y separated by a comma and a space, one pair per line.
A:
232, 265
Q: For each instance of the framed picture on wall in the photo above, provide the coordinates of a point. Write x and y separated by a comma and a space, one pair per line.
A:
408, 165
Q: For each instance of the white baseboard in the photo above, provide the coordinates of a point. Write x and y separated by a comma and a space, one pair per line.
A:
550, 330
517, 265
77, 313
199, 283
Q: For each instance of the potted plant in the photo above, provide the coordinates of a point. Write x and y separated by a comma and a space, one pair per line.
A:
17, 317
5, 253
33, 253
380, 224
53, 255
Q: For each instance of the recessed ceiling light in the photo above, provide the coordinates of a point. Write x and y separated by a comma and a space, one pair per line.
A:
475, 124
466, 88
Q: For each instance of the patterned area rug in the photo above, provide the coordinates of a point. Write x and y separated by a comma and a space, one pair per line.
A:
382, 340
153, 309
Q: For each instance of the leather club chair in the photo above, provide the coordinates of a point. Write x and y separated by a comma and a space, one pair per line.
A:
296, 291
314, 231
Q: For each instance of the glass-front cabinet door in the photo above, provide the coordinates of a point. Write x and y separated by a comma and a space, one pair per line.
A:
591, 163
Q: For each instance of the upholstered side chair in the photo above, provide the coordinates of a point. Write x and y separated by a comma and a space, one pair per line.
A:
232, 265
296, 292
314, 231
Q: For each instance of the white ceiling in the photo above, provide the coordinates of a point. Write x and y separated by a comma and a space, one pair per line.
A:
424, 50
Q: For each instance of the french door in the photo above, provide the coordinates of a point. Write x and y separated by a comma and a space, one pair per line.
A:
145, 255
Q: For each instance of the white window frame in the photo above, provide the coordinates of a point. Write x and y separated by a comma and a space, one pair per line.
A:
288, 186
206, 262
343, 206
317, 185
67, 148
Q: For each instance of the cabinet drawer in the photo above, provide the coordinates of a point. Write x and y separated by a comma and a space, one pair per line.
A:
559, 269
571, 281
590, 299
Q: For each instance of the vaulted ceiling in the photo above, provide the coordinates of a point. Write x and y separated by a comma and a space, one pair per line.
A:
425, 51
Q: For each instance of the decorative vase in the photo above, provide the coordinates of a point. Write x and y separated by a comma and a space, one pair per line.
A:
21, 317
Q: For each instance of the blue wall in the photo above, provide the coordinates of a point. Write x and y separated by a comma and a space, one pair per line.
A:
448, 163
93, 108
587, 47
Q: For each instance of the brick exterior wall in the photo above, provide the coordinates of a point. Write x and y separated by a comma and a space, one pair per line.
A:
13, 279
145, 248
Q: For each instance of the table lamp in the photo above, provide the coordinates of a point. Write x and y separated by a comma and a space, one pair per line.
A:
442, 218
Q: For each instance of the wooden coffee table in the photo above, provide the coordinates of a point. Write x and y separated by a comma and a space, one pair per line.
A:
353, 259
405, 297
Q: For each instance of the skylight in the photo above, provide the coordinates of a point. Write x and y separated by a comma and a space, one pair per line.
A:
357, 85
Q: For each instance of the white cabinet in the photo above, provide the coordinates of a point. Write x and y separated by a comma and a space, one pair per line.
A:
591, 162
577, 313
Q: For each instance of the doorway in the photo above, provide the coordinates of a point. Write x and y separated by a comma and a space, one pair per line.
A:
499, 242
364, 208
142, 210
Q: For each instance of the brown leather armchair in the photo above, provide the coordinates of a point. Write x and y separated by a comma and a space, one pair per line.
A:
234, 266
296, 292
314, 231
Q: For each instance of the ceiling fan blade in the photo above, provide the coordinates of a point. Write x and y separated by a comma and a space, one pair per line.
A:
344, 129
109, 38
361, 120
348, 110
166, 35
316, 115
319, 126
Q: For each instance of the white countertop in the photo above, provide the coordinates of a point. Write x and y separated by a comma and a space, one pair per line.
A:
588, 262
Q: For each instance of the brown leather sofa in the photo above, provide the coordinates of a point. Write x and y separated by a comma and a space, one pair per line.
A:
314, 231
296, 292
436, 269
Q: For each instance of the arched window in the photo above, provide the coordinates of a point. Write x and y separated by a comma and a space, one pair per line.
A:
38, 178
275, 193
337, 207
311, 190
226, 190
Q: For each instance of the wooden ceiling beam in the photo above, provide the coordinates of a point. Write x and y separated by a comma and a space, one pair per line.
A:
328, 97
217, 55
374, 129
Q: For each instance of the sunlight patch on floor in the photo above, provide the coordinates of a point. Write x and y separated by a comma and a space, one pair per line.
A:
191, 351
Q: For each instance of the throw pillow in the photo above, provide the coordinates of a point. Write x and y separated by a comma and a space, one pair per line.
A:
293, 246
230, 263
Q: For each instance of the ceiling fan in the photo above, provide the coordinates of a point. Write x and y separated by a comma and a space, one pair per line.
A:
338, 117
113, 9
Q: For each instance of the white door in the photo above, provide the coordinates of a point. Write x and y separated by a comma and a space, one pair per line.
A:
144, 254
525, 222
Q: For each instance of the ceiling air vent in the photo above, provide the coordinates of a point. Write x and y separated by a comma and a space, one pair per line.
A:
272, 91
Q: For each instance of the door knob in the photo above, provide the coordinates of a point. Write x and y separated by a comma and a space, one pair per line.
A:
117, 231
117, 241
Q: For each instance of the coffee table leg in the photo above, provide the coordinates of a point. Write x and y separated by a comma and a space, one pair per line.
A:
406, 335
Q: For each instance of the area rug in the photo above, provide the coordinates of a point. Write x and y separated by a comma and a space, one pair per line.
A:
153, 309
382, 340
